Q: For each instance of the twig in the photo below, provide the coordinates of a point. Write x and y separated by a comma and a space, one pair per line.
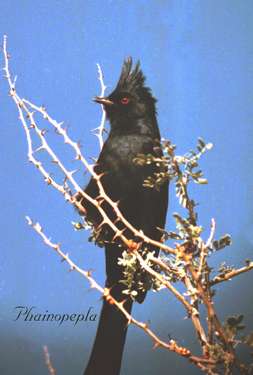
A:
171, 345
194, 273
48, 362
204, 250
212, 232
195, 318
190, 309
21, 104
101, 128
212, 316
102, 193
229, 275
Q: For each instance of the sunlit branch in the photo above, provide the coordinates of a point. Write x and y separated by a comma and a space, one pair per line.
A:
188, 259
229, 275
99, 131
48, 362
171, 345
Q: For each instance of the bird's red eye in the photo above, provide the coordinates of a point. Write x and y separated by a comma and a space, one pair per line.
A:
124, 100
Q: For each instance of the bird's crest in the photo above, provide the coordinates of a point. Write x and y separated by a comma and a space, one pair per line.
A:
132, 80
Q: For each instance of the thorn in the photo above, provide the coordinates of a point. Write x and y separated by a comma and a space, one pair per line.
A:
39, 149
57, 131
121, 304
79, 144
99, 226
99, 196
95, 129
156, 345
29, 114
101, 201
74, 171
116, 220
43, 132
145, 325
48, 180
89, 273
65, 180
29, 221
118, 234
129, 321
99, 176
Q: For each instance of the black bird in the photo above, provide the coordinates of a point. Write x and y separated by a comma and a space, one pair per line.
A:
131, 111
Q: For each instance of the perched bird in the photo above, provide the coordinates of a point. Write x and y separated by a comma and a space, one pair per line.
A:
131, 111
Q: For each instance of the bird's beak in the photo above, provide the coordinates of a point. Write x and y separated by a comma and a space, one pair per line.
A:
104, 101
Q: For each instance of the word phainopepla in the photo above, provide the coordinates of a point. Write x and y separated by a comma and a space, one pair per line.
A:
131, 110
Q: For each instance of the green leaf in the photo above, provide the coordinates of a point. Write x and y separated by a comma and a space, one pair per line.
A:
222, 242
201, 181
248, 340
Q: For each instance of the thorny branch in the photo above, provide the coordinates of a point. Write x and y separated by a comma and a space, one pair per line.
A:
102, 194
186, 263
171, 345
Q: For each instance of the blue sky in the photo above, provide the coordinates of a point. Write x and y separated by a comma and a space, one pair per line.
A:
197, 56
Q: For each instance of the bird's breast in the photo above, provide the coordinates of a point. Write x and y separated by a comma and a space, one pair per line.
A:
117, 161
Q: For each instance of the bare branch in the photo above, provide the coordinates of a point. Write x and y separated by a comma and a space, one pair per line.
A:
205, 249
212, 232
101, 128
188, 262
48, 362
171, 345
229, 275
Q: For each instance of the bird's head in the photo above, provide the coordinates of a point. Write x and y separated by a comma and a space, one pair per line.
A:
131, 100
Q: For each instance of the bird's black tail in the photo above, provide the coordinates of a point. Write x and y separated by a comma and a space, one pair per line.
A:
107, 351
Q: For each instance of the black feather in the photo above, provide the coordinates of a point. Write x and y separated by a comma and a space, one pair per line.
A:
133, 81
134, 130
